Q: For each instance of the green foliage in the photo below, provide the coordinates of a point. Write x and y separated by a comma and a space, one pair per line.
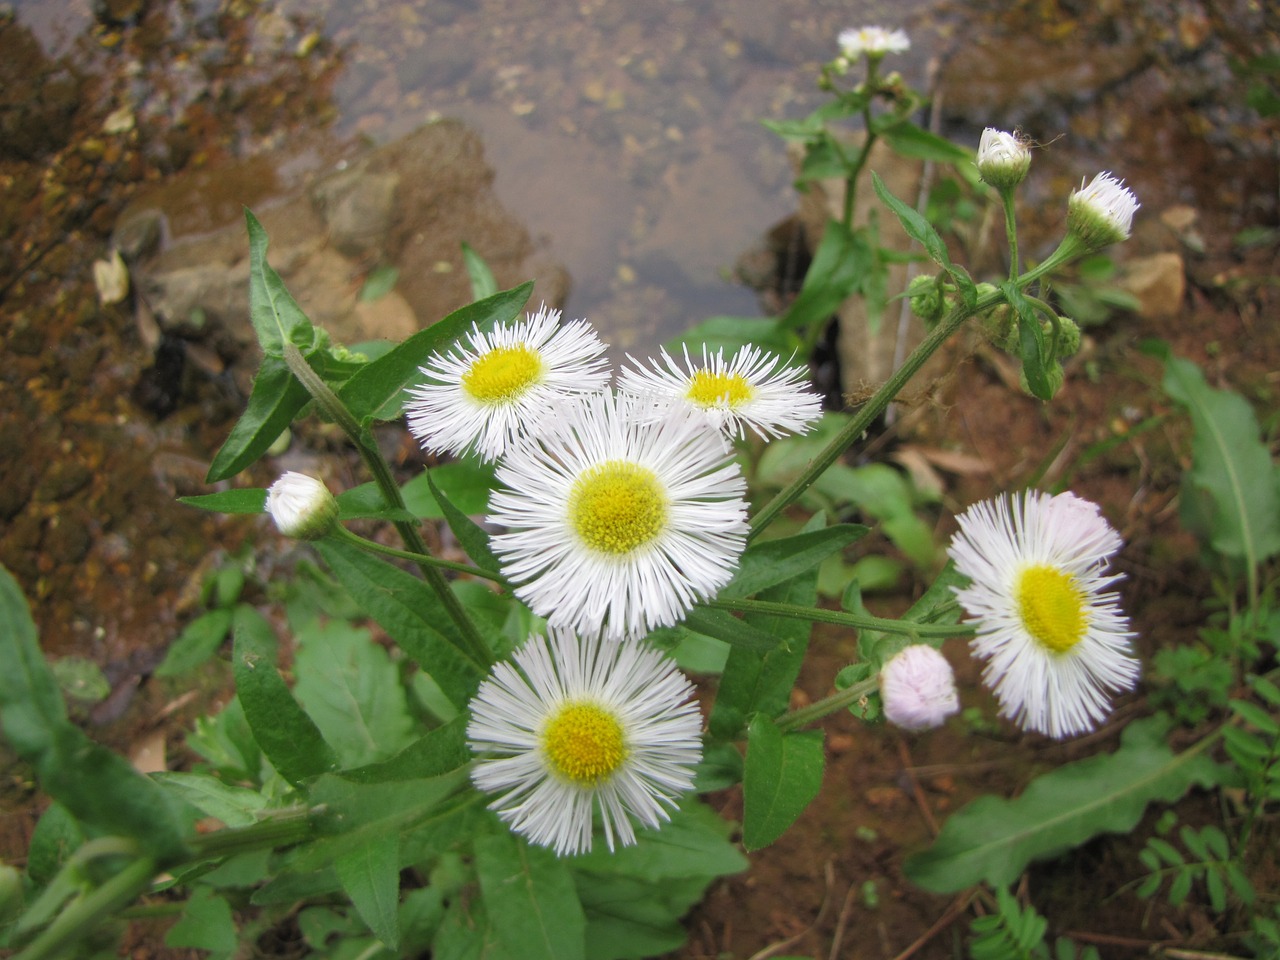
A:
1015, 932
783, 775
1211, 864
993, 839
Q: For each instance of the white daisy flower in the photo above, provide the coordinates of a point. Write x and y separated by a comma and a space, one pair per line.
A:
618, 522
1101, 213
301, 506
755, 389
1056, 644
577, 724
873, 41
1003, 158
507, 383
918, 688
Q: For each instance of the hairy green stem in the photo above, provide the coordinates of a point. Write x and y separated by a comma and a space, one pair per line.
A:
1011, 232
282, 828
473, 646
868, 412
83, 916
827, 705
859, 621
342, 533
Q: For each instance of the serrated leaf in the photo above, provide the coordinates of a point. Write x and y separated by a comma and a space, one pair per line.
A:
370, 875
782, 776
276, 398
376, 390
277, 319
770, 562
410, 612
532, 892
243, 500
289, 738
351, 689
993, 839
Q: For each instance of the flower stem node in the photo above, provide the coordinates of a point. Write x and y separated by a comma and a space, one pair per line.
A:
918, 688
1101, 213
1003, 159
302, 507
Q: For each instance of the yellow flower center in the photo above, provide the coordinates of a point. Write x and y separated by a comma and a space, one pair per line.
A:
617, 506
709, 389
584, 744
1052, 607
503, 374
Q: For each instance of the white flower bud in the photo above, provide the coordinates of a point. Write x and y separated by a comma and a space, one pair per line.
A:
302, 506
1101, 213
918, 688
1003, 158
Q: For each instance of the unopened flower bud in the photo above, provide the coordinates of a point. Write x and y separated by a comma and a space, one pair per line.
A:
302, 506
1068, 337
1101, 213
925, 295
1003, 158
918, 688
872, 41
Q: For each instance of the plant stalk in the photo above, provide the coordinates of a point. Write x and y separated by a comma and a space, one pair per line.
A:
827, 705
858, 621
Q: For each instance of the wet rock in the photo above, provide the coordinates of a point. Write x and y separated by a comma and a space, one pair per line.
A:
119, 13
38, 96
868, 353
1159, 283
139, 234
408, 205
63, 479
67, 539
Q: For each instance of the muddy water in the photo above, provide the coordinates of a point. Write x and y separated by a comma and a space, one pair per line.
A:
625, 135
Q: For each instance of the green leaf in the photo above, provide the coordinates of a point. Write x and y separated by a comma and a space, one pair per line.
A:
276, 316
348, 685
206, 924
243, 500
693, 843
839, 264
437, 752
770, 562
376, 390
482, 282
289, 738
97, 786
370, 875
379, 282
234, 806
532, 894
469, 533
917, 227
722, 625
276, 399
731, 334
1239, 509
1256, 717
993, 839
411, 613
783, 774
1031, 343
199, 641
909, 140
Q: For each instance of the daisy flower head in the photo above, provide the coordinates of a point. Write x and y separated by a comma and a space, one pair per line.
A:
918, 688
754, 389
1055, 642
873, 41
1003, 158
1101, 213
507, 382
573, 725
616, 521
